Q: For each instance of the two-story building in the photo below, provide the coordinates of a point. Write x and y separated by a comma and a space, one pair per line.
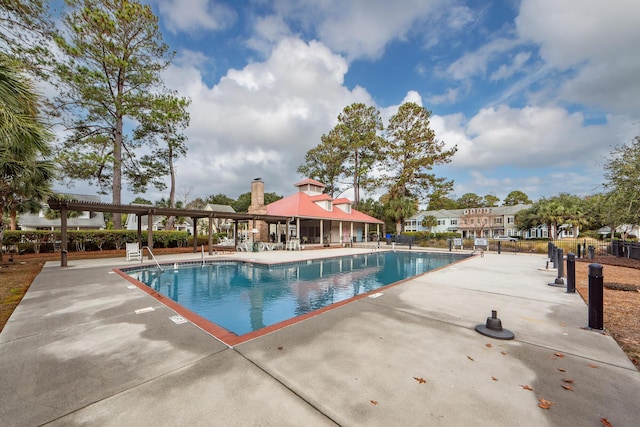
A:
486, 222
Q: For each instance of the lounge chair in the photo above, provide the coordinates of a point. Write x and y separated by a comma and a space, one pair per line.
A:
134, 252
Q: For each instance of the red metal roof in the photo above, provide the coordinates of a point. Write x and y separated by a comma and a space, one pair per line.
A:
302, 205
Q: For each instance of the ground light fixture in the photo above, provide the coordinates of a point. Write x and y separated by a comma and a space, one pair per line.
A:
493, 328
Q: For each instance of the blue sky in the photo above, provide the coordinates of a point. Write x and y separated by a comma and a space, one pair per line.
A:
535, 93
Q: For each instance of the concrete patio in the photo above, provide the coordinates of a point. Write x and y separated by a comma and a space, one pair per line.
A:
82, 349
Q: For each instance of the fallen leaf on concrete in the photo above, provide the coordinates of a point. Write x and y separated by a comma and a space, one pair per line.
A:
494, 378
488, 345
593, 366
280, 348
562, 324
420, 380
568, 380
544, 403
374, 402
562, 370
605, 422
470, 358
504, 353
527, 387
567, 387
558, 354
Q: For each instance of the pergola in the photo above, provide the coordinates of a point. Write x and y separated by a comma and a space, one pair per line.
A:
64, 206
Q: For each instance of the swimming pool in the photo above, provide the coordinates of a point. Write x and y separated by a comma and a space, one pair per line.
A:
242, 297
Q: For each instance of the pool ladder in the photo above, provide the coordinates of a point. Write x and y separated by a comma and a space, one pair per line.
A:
153, 256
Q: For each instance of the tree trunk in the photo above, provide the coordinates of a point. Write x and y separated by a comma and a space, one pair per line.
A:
14, 223
172, 190
356, 181
116, 198
1, 230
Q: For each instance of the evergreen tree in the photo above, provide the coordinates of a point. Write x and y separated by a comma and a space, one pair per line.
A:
116, 54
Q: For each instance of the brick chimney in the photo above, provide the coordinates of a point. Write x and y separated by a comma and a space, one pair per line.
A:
258, 207
257, 197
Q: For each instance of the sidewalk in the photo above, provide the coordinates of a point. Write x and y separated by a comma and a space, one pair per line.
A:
76, 353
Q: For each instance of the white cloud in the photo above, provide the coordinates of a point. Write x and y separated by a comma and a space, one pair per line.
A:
192, 16
530, 137
260, 120
450, 96
597, 41
572, 31
506, 71
268, 31
498, 144
361, 28
476, 63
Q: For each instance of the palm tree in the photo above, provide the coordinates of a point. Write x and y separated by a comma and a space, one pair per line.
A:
398, 209
25, 171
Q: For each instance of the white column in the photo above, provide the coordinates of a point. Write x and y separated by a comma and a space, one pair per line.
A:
321, 231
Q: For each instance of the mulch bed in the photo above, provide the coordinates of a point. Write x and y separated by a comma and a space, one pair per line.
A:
621, 277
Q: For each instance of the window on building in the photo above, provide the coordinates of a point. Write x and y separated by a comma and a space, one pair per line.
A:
510, 220
454, 222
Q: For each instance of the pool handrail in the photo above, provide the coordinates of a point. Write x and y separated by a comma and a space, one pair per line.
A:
153, 257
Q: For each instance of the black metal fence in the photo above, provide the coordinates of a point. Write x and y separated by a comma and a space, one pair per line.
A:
624, 249
580, 247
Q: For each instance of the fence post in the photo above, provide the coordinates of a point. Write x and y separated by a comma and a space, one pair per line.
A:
571, 273
578, 250
596, 293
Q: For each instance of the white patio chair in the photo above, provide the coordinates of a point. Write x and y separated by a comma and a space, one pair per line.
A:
134, 252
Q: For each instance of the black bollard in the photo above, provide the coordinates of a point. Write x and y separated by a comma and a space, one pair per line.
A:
578, 250
560, 263
499, 247
554, 256
450, 244
549, 246
596, 296
571, 273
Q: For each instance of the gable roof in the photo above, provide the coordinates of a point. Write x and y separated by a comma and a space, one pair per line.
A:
302, 205
218, 208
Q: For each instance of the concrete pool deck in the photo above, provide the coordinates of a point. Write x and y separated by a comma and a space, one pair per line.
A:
83, 348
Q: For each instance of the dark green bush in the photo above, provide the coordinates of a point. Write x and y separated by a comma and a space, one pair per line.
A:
37, 241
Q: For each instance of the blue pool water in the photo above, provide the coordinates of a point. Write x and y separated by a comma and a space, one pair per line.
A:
243, 297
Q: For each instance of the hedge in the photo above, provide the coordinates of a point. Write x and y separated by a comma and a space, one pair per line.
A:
91, 240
